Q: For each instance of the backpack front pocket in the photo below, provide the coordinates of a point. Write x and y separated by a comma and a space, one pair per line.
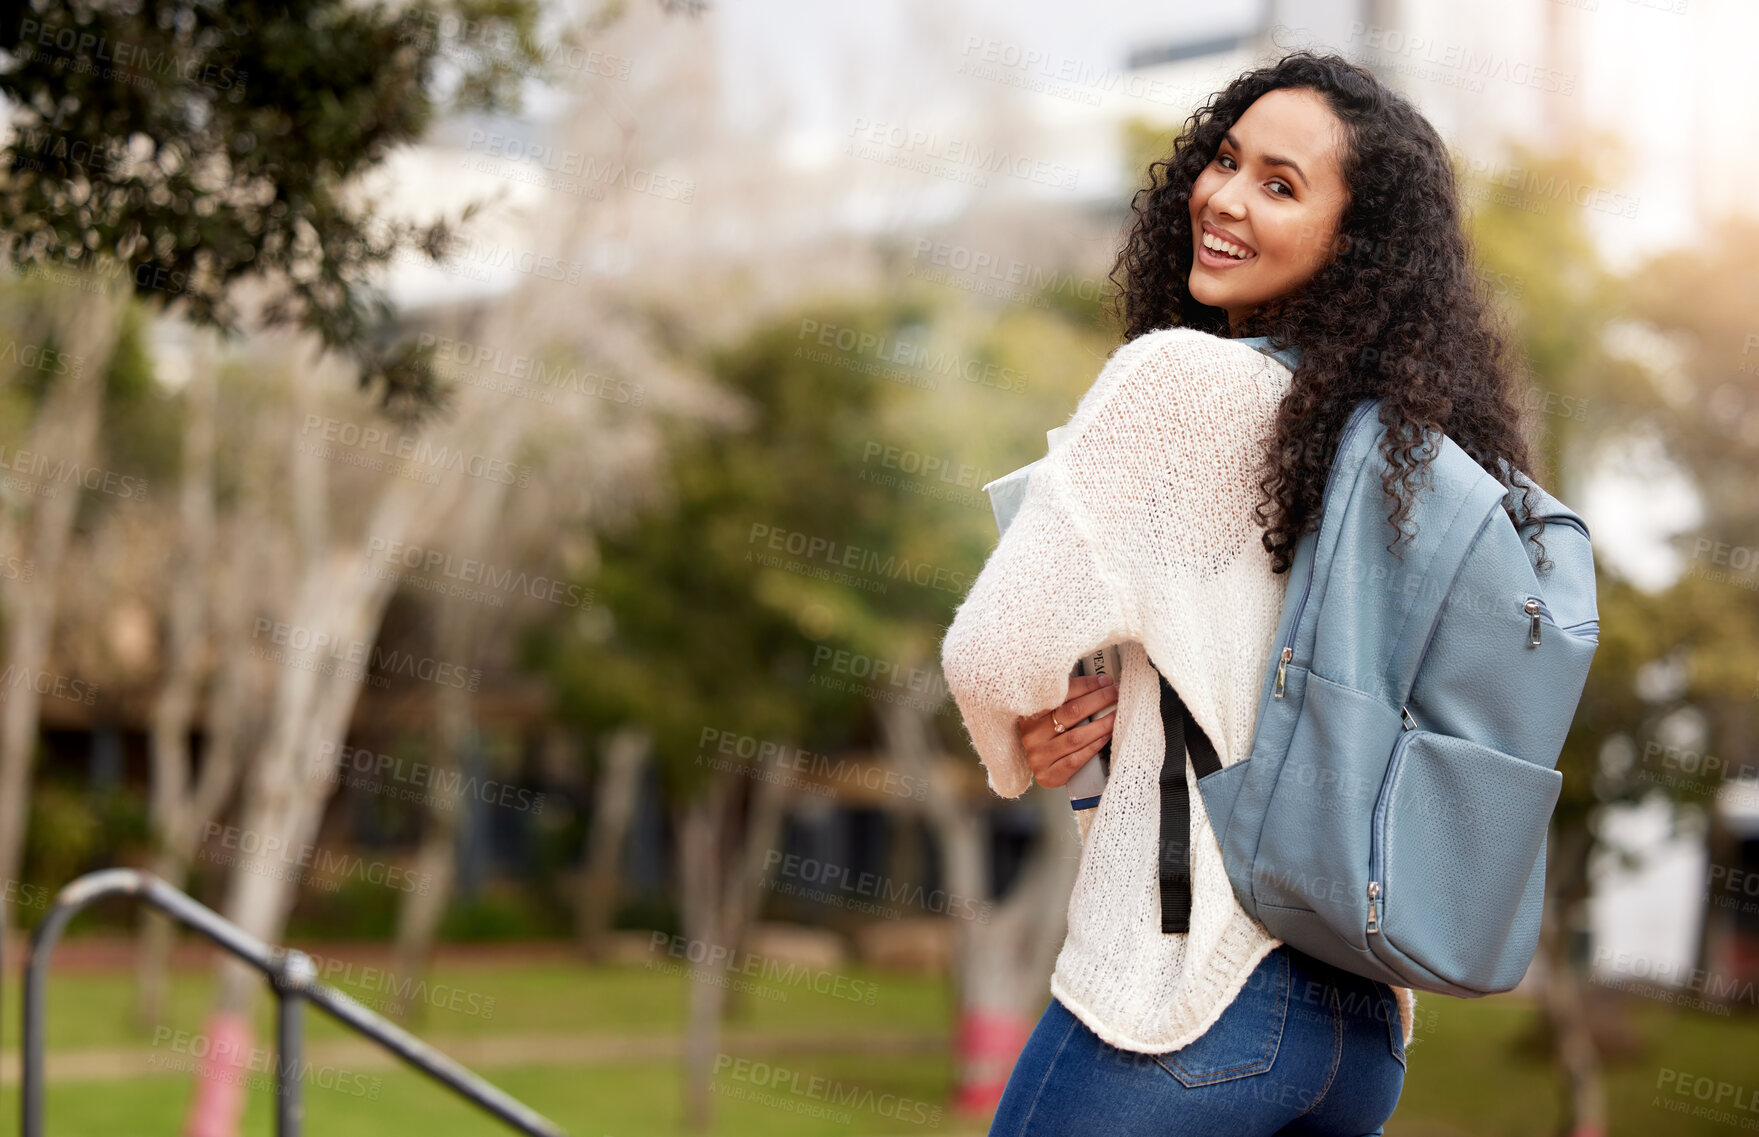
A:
1457, 832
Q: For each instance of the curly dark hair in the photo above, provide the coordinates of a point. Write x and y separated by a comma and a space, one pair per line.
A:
1394, 313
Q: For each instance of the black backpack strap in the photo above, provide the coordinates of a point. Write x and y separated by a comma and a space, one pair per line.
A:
1182, 735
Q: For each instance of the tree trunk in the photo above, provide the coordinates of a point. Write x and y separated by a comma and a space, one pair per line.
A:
174, 708
471, 530
282, 808
314, 700
436, 860
721, 865
66, 433
1000, 965
701, 833
232, 720
336, 605
625, 755
1566, 1013
763, 831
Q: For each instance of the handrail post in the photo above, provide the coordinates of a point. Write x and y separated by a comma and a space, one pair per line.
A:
73, 900
291, 983
294, 978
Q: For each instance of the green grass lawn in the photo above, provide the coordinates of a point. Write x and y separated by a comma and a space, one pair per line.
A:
1471, 1072
634, 1100
493, 999
1472, 1075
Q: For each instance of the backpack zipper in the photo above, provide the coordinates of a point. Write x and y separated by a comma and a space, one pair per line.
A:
1295, 624
1536, 610
1377, 839
1556, 519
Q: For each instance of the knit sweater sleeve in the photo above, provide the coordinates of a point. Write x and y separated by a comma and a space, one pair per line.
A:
1043, 599
1134, 514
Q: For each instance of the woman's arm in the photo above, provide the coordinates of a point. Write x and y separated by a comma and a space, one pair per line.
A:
1043, 600
1142, 503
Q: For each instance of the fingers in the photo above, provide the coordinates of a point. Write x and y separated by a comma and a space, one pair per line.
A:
1099, 690
1072, 712
1087, 693
1060, 742
1086, 704
1060, 771
1058, 756
1054, 756
1082, 684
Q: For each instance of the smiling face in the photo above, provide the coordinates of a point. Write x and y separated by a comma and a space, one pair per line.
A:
1275, 191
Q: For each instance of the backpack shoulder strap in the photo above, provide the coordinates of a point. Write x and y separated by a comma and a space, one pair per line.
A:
1182, 735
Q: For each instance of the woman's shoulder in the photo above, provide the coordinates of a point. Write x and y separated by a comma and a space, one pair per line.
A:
1170, 390
1170, 367
1186, 346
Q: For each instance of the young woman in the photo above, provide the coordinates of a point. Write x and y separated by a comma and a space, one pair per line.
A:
1300, 250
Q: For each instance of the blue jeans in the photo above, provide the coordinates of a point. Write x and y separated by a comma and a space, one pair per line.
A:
1304, 1050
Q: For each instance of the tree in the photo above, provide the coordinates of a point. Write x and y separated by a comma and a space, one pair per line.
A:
624, 756
696, 635
204, 157
584, 453
187, 147
1589, 401
37, 528
719, 607
222, 570
1001, 963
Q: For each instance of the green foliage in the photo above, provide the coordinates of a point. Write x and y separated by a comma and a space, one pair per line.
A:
359, 909
1702, 297
699, 623
502, 915
692, 632
1540, 265
1590, 402
73, 830
142, 425
63, 834
1082, 303
190, 145
129, 376
1542, 269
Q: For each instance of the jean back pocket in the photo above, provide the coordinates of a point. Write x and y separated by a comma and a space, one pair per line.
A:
1244, 1040
1395, 1025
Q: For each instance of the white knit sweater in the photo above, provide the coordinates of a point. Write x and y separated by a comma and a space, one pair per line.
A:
1137, 529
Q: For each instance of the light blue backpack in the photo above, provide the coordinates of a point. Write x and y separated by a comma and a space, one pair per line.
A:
1391, 818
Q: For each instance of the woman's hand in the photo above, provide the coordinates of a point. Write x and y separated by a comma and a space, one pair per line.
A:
1054, 757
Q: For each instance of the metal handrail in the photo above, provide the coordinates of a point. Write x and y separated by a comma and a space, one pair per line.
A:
292, 976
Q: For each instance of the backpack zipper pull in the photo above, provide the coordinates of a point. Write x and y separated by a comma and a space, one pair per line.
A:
1532, 609
1373, 906
1281, 663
